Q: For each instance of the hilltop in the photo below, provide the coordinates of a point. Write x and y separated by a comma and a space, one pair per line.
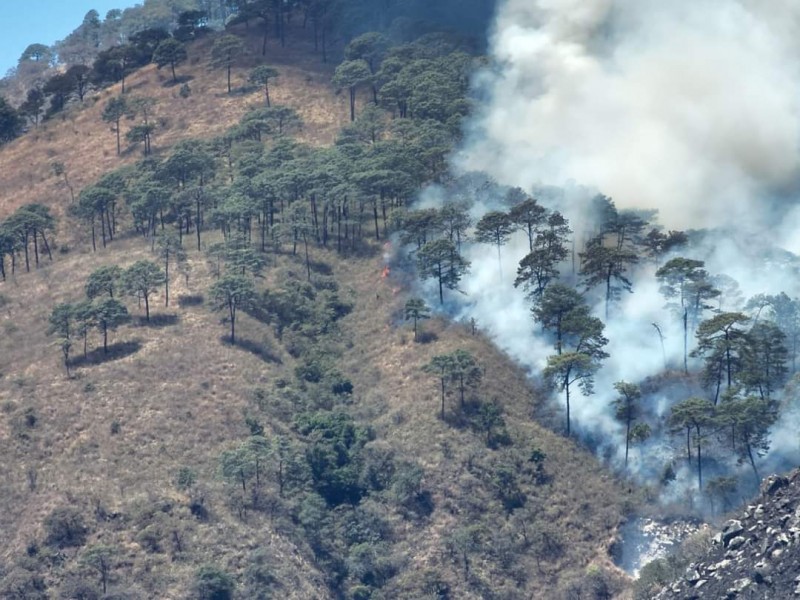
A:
85, 144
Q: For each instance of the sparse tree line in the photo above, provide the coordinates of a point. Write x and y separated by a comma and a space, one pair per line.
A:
375, 167
102, 308
743, 352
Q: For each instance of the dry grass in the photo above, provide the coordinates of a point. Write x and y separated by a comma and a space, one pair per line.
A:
84, 143
403, 404
180, 398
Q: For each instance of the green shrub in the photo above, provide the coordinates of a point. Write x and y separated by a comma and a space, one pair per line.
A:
65, 526
185, 478
211, 583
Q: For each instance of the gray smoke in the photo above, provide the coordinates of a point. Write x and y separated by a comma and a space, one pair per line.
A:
690, 107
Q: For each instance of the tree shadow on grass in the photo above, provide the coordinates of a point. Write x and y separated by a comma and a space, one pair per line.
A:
181, 79
321, 268
157, 321
426, 337
248, 89
235, 91
186, 300
115, 352
256, 348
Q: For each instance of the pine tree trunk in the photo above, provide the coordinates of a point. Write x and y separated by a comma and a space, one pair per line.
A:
699, 460
753, 463
119, 148
627, 440
166, 281
442, 398
566, 389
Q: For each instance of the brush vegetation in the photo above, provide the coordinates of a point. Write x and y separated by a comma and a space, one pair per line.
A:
209, 387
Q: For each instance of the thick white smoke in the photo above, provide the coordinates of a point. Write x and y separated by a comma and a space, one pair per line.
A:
691, 107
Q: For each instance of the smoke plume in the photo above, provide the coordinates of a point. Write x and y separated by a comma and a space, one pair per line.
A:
690, 107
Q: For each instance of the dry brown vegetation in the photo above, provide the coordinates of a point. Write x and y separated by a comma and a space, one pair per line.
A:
403, 404
111, 439
180, 399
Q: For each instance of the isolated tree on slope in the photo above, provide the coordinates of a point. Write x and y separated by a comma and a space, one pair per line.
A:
721, 341
529, 216
540, 266
262, 75
685, 285
232, 293
693, 415
442, 366
607, 265
352, 74
103, 280
627, 408
170, 52
141, 280
557, 301
224, 53
108, 315
170, 250
465, 372
440, 260
61, 325
114, 110
582, 335
749, 419
416, 310
494, 228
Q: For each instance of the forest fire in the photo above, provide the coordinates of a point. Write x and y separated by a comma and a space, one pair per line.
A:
385, 272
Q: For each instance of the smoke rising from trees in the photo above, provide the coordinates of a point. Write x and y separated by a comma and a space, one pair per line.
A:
690, 108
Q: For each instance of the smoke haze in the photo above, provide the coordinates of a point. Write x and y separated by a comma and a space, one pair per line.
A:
690, 107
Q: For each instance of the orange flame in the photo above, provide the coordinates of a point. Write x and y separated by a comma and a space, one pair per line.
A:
385, 272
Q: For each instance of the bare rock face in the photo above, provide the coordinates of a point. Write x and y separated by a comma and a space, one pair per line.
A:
756, 556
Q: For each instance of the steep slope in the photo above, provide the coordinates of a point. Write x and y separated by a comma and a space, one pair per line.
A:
492, 516
756, 554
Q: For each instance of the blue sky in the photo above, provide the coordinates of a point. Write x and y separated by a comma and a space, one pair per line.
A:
44, 21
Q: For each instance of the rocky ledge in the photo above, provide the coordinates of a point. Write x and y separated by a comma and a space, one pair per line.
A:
754, 556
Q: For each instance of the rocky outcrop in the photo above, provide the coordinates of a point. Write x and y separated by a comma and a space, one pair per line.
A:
756, 555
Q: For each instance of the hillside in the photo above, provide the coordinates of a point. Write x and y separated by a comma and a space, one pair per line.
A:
118, 476
755, 555
85, 144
